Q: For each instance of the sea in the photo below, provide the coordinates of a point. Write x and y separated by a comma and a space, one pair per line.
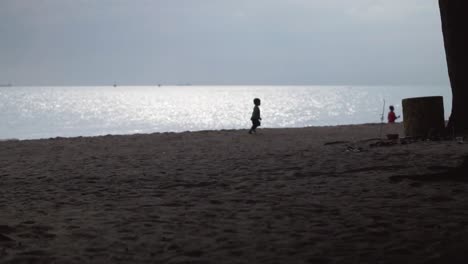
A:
36, 112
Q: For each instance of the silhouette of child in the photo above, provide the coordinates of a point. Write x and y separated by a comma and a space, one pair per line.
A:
391, 115
255, 116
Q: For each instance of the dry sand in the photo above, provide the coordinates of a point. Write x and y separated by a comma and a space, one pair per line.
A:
281, 196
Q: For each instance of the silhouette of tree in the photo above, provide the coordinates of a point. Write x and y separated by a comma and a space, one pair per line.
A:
455, 31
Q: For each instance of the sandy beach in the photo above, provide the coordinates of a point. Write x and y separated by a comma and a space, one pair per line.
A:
302, 195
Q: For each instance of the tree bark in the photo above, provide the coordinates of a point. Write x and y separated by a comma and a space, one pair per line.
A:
424, 117
454, 15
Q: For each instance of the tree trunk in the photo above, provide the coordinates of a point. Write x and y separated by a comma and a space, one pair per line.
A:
424, 116
454, 15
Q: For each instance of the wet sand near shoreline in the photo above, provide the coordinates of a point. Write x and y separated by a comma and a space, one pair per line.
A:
299, 195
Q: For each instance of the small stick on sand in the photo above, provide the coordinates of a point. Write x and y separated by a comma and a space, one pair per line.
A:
382, 119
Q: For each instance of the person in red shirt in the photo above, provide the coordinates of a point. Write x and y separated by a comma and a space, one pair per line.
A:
391, 115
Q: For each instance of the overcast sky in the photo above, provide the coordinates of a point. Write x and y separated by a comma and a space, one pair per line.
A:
279, 42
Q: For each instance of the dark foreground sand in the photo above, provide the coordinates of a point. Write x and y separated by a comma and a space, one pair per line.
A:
281, 196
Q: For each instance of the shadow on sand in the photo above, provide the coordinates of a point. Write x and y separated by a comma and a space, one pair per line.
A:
457, 174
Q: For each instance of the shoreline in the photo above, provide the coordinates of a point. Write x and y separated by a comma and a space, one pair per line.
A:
201, 131
283, 195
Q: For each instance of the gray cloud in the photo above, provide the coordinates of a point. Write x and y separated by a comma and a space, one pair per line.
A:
221, 42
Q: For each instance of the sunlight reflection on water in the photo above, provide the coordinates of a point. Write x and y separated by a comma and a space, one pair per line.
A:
38, 112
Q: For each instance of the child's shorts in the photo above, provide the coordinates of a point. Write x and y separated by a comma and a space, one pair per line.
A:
256, 122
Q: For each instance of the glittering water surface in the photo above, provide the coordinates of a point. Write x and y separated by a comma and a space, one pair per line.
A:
39, 112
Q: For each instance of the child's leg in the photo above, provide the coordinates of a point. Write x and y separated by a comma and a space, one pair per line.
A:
254, 126
252, 129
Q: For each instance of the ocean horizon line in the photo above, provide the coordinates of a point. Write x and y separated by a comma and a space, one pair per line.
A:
227, 85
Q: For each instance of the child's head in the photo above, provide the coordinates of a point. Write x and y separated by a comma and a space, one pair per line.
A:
256, 101
392, 108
